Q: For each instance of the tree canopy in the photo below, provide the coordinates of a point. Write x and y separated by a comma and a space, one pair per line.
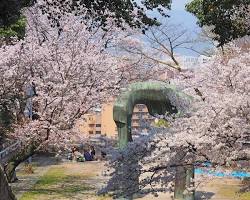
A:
230, 19
211, 126
129, 12
16, 29
10, 11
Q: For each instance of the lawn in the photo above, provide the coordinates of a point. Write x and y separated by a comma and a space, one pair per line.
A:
64, 182
80, 181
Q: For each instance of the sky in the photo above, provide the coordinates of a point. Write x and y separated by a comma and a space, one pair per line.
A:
179, 4
178, 15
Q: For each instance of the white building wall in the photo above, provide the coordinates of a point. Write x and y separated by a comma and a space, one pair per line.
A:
188, 62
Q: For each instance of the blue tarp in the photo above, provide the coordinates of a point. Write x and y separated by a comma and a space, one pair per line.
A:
234, 174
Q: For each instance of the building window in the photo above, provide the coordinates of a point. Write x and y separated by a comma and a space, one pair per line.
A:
90, 132
91, 125
98, 132
98, 125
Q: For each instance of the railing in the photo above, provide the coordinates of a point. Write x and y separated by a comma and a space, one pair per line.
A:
4, 153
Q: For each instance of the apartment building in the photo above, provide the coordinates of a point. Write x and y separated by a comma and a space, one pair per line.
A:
102, 123
140, 115
90, 124
108, 125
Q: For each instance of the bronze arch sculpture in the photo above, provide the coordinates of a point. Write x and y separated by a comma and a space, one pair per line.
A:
155, 96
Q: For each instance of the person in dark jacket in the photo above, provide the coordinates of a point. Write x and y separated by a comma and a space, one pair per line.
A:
87, 155
92, 151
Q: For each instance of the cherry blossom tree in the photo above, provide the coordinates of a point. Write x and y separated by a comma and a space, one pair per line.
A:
211, 126
56, 79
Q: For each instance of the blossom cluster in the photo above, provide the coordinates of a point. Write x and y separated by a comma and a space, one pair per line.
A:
212, 127
58, 77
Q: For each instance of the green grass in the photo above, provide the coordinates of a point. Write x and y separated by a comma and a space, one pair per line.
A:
55, 184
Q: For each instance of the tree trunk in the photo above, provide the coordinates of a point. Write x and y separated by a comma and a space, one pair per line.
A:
5, 190
18, 158
184, 175
180, 184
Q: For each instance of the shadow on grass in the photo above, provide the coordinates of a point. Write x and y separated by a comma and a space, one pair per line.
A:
245, 185
43, 160
200, 195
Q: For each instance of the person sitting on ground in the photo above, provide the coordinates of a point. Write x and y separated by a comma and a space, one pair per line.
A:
87, 155
70, 154
77, 156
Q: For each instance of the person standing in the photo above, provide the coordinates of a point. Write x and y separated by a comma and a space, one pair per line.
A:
92, 152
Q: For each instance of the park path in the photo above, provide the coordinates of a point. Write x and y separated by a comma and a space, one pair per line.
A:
53, 180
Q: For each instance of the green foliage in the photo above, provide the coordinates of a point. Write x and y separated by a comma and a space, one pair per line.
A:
16, 29
196, 7
94, 13
11, 11
229, 18
161, 123
12, 22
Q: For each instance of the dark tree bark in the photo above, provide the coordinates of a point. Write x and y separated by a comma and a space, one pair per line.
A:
18, 158
5, 189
